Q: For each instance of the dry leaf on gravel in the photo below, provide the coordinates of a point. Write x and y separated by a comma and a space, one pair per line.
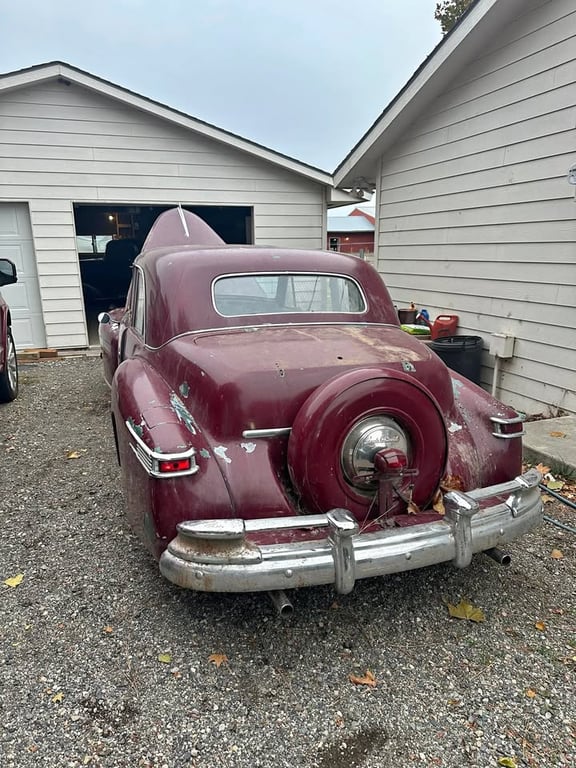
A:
108, 629
367, 679
531, 694
507, 762
540, 626
555, 433
542, 468
556, 554
465, 610
165, 658
72, 455
57, 699
218, 659
546, 499
14, 581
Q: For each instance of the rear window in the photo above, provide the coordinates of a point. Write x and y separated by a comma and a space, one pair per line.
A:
273, 294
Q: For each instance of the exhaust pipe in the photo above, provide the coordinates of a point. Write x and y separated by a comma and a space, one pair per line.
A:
281, 603
502, 558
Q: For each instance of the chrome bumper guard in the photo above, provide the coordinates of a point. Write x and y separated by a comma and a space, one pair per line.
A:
218, 556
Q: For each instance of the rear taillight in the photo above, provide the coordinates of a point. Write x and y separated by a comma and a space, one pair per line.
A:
175, 465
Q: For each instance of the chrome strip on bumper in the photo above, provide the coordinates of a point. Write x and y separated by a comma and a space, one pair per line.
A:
217, 556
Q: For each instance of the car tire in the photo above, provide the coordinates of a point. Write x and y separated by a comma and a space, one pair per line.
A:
325, 419
9, 376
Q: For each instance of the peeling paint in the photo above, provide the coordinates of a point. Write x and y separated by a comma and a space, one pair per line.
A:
205, 453
184, 389
136, 427
408, 366
248, 447
456, 387
454, 427
220, 451
281, 370
183, 413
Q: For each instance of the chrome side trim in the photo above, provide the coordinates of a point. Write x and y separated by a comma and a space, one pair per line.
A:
150, 459
274, 432
500, 422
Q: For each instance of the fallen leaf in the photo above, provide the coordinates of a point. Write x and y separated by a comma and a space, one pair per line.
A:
72, 455
438, 503
546, 499
540, 626
32, 748
555, 485
367, 679
507, 762
339, 720
452, 483
108, 629
556, 554
557, 434
218, 658
413, 509
58, 697
465, 610
542, 468
165, 658
14, 581
531, 694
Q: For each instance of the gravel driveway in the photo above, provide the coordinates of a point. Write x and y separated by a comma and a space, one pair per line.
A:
104, 663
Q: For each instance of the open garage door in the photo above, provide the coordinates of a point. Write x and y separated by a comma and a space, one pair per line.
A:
109, 237
23, 297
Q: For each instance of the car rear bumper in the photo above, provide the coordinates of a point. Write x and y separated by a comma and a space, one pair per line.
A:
218, 555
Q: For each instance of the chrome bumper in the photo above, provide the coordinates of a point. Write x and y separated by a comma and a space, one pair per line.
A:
218, 556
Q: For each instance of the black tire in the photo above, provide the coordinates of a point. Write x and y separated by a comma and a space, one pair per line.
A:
9, 376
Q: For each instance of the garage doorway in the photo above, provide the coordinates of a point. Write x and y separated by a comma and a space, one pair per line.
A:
105, 268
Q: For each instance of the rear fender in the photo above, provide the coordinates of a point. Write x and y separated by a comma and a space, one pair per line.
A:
476, 458
145, 405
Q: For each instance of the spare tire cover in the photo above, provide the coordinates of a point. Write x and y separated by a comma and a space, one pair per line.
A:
328, 415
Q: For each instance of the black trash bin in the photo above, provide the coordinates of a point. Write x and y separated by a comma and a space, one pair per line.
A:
462, 354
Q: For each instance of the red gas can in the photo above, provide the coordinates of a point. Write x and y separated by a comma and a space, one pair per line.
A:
444, 325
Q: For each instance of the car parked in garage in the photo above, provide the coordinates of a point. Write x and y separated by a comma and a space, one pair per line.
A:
8, 360
276, 428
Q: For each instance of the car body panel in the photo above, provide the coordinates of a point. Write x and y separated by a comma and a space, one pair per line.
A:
260, 405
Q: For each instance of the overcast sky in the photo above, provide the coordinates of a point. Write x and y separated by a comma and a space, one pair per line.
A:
303, 77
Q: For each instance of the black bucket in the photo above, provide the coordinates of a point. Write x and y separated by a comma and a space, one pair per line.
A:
462, 354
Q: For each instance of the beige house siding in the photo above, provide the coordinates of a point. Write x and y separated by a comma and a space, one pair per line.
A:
475, 215
63, 143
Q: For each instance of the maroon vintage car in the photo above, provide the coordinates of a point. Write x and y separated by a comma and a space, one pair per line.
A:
276, 428
8, 361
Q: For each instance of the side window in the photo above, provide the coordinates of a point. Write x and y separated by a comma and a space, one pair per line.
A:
138, 303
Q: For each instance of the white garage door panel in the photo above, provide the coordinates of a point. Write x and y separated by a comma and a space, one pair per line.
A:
23, 297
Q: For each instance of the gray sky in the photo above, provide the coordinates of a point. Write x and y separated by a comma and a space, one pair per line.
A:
303, 77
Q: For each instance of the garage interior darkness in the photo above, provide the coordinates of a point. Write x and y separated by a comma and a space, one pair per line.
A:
109, 236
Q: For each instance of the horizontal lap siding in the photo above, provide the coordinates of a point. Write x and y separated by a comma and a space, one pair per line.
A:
476, 217
60, 145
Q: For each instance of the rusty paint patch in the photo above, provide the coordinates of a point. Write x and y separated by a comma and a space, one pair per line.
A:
183, 413
220, 451
248, 447
184, 389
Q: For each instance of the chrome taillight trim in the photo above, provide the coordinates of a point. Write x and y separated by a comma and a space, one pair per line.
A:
499, 422
150, 459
